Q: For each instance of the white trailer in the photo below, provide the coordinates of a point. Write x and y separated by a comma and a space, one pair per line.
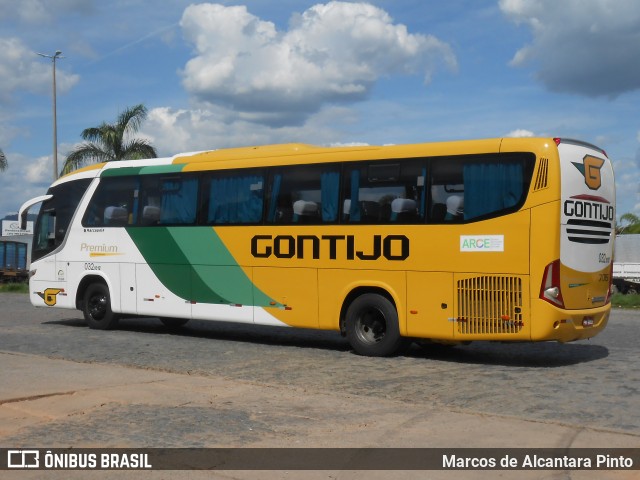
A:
626, 264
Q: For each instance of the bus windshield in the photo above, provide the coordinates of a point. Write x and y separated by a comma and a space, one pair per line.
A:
55, 216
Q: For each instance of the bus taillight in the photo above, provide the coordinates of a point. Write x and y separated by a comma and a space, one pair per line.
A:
550, 288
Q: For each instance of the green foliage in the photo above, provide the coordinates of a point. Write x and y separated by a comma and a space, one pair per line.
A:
625, 301
629, 223
112, 142
14, 287
3, 161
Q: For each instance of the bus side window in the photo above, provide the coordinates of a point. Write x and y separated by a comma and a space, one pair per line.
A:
178, 201
455, 208
167, 200
304, 194
382, 192
493, 185
235, 198
471, 187
150, 215
447, 190
150, 199
115, 216
113, 203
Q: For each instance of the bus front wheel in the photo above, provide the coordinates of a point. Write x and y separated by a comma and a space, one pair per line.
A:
372, 326
97, 308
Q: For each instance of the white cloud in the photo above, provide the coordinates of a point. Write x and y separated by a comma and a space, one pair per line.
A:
8, 131
590, 47
27, 11
520, 133
331, 53
173, 131
40, 170
42, 11
24, 178
627, 173
349, 144
22, 70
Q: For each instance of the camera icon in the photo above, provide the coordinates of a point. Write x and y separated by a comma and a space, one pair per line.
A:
23, 459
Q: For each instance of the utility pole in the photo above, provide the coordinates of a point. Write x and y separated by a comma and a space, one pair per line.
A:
53, 58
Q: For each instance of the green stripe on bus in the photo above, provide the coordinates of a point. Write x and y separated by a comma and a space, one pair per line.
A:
120, 172
215, 270
127, 171
194, 264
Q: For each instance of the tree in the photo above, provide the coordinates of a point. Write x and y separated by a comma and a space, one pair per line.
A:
632, 224
3, 161
112, 142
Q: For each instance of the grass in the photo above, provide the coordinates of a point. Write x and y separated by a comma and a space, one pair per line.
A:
14, 287
625, 301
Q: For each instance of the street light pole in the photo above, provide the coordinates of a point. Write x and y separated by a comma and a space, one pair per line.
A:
53, 58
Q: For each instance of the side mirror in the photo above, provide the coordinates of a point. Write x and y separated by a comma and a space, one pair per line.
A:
24, 209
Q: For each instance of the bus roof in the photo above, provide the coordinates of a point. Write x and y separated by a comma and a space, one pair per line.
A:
265, 151
244, 157
277, 154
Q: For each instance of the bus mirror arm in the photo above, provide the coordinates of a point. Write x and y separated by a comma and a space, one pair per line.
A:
24, 209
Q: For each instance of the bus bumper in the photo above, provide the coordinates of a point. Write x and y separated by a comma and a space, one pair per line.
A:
552, 323
50, 294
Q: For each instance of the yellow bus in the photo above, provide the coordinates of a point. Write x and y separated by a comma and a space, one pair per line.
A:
506, 239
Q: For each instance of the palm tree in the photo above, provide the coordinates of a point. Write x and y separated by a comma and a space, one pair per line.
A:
632, 223
112, 142
3, 161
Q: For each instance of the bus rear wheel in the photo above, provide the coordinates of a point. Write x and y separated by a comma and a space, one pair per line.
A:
372, 326
97, 308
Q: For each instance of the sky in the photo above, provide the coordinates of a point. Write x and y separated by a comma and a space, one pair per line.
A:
229, 74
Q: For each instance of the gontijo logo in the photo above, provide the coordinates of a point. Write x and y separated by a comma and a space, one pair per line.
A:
50, 296
590, 170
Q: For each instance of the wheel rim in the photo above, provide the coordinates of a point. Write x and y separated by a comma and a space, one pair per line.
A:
371, 326
98, 306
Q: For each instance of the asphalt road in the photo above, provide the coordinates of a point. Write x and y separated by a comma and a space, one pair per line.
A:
589, 384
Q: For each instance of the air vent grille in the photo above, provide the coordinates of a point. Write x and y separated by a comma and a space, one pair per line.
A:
542, 175
489, 305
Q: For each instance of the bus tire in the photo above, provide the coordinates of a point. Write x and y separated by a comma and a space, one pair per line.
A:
97, 308
372, 326
174, 322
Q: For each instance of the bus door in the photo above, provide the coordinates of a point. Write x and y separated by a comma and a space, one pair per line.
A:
45, 241
128, 290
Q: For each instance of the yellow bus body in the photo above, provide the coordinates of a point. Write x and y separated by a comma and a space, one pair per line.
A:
528, 285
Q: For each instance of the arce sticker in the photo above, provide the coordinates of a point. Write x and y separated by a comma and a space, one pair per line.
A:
482, 243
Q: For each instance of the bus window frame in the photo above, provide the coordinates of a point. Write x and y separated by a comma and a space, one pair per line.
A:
529, 160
